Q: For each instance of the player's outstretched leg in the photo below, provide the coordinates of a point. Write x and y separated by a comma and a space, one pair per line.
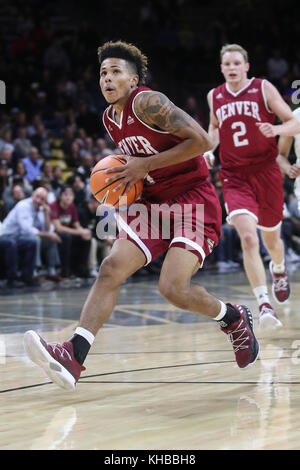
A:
63, 363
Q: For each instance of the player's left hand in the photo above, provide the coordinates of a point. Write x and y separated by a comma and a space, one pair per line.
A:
134, 170
267, 129
294, 171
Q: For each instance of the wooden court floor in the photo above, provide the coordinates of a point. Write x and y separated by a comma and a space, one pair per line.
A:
156, 377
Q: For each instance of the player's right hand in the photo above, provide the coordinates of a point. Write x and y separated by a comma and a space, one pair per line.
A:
209, 159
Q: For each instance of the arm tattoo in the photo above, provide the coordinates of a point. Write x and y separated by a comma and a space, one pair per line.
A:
156, 110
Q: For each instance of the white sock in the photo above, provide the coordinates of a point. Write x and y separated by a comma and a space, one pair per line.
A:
278, 268
222, 312
261, 294
86, 334
51, 271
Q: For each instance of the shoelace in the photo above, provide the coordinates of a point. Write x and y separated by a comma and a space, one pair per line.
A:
239, 338
62, 351
280, 284
265, 310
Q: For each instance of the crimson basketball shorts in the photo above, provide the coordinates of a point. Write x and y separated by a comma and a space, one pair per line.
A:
258, 194
191, 221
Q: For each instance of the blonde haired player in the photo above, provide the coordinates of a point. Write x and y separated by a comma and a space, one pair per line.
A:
242, 121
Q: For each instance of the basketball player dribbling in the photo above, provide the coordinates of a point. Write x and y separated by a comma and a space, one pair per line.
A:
165, 146
242, 116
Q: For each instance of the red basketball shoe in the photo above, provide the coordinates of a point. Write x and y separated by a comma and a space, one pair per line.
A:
281, 286
268, 318
241, 335
57, 360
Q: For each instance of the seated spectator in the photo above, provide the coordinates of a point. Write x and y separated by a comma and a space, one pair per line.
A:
4, 179
45, 182
33, 164
17, 254
68, 138
85, 168
6, 140
6, 157
22, 144
20, 174
47, 170
80, 191
30, 219
75, 246
56, 181
100, 248
35, 121
15, 195
41, 141
73, 158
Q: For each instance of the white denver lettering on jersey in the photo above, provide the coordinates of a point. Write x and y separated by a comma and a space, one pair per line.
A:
136, 144
238, 108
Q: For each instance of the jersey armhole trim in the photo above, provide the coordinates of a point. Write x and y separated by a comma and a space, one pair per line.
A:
103, 120
264, 96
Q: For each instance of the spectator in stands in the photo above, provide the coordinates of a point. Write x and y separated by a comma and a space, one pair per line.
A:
45, 182
56, 181
41, 141
33, 164
30, 219
35, 121
75, 246
13, 196
80, 191
100, 248
20, 174
6, 140
3, 177
6, 157
73, 158
17, 253
85, 168
68, 138
22, 144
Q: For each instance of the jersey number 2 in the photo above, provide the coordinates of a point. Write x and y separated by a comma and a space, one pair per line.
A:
237, 136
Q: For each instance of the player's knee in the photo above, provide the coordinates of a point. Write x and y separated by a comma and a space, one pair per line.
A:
174, 292
250, 241
110, 271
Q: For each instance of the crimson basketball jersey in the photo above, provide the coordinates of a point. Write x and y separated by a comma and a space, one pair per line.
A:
241, 142
133, 137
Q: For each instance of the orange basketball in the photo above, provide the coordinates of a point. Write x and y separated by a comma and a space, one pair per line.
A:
103, 191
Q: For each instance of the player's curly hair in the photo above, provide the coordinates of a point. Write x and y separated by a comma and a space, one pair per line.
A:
128, 52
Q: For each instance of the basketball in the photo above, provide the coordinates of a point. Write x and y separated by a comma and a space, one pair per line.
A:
103, 191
